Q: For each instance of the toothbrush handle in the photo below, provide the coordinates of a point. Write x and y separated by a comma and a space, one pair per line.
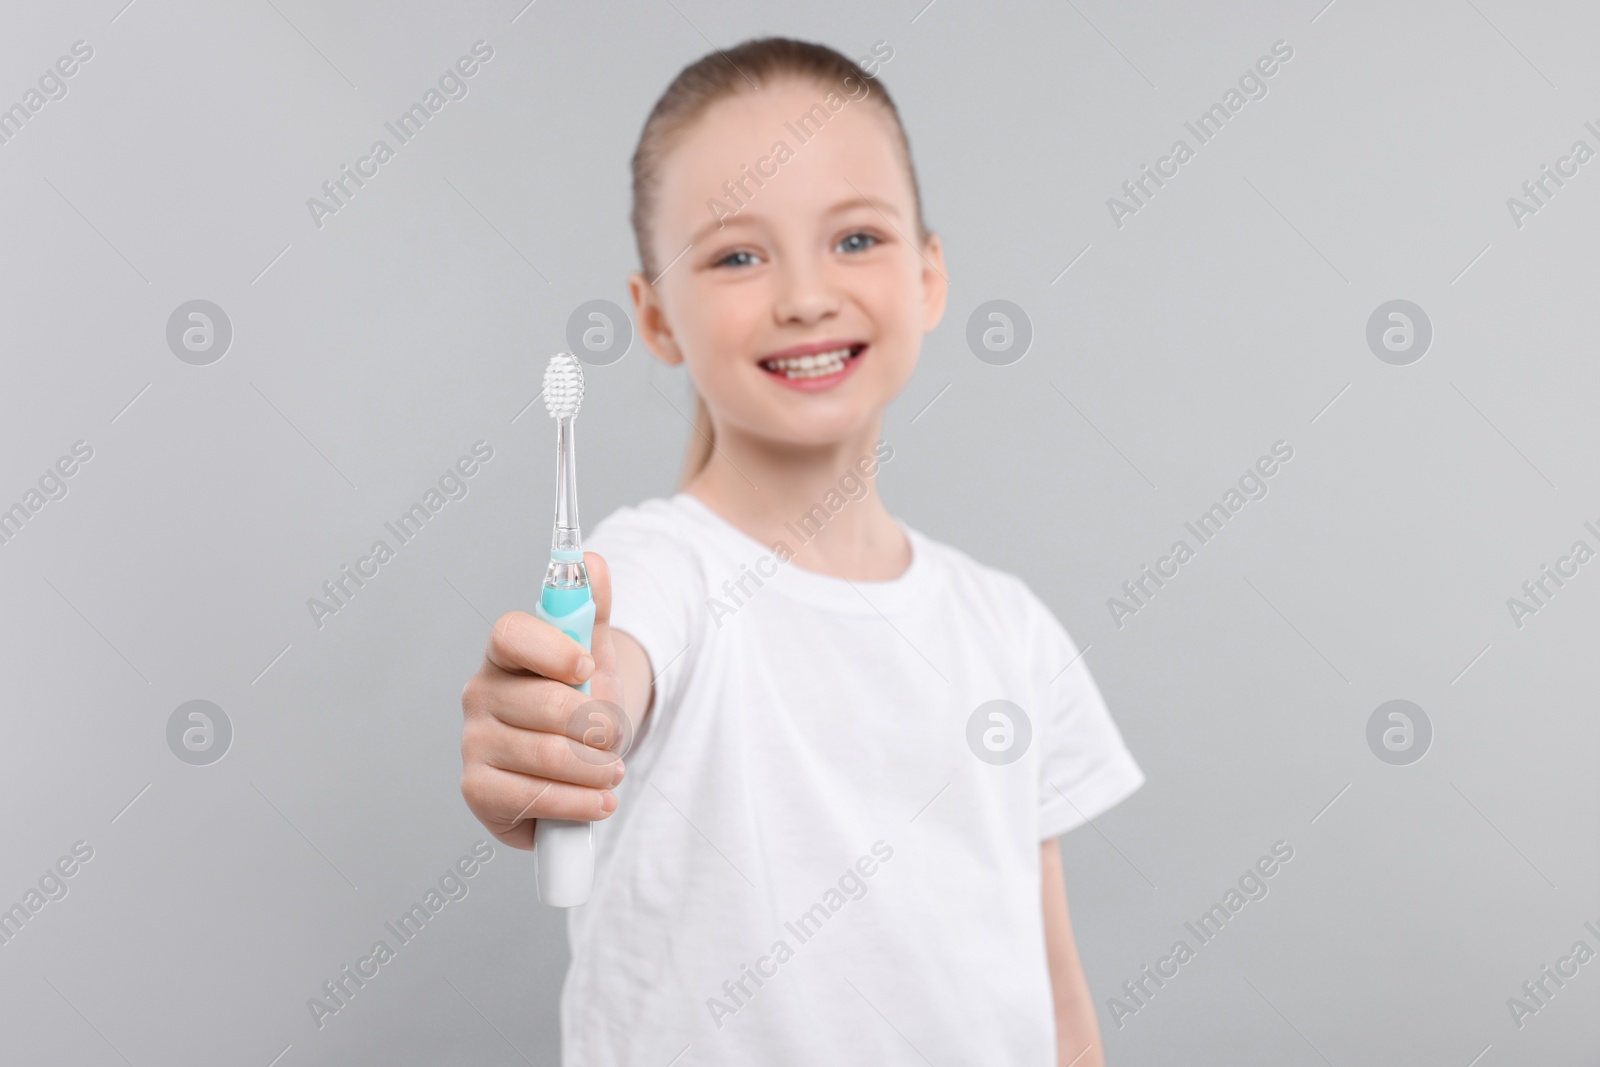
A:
563, 849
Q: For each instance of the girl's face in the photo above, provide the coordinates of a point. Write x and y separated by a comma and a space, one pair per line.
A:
821, 259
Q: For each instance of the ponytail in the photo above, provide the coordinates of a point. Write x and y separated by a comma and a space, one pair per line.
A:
701, 443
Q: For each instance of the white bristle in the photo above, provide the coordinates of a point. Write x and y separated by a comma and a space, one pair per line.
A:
563, 385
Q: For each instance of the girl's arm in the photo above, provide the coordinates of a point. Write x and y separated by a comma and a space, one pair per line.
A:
638, 689
631, 661
1077, 1032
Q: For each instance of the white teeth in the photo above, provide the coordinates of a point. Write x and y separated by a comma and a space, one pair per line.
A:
813, 366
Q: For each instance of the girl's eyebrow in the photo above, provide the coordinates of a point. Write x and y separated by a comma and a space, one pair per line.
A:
707, 230
864, 201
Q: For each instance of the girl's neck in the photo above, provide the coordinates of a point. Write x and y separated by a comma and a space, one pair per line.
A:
771, 492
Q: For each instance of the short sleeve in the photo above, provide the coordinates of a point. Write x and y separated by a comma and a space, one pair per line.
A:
655, 589
1085, 769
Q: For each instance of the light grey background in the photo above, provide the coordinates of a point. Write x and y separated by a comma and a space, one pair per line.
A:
369, 354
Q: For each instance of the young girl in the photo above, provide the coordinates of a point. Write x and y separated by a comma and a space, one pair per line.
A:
853, 746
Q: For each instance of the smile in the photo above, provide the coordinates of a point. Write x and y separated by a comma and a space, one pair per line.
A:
813, 367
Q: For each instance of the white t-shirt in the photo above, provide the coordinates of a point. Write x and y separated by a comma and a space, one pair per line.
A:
809, 862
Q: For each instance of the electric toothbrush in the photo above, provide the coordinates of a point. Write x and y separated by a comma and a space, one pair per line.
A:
563, 849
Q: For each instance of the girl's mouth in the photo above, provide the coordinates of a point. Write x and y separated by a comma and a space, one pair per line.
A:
821, 370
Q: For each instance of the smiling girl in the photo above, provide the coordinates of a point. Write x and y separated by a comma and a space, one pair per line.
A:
854, 746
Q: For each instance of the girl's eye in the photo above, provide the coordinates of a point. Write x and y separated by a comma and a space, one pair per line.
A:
858, 242
736, 259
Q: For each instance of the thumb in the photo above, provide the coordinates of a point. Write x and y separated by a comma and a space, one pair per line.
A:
605, 683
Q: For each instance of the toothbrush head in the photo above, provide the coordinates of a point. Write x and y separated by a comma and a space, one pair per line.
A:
563, 385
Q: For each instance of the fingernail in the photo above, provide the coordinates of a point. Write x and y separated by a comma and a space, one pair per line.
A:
608, 802
618, 776
585, 667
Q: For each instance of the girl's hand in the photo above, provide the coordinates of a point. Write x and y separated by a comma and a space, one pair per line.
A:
534, 747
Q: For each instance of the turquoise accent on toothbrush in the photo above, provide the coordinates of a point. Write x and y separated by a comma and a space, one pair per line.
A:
572, 612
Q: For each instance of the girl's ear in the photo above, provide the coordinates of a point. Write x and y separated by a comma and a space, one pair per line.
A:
935, 284
651, 319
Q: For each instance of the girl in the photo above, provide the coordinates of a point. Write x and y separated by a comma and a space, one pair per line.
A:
854, 746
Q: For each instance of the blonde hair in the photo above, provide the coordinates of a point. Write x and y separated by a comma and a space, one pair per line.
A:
709, 79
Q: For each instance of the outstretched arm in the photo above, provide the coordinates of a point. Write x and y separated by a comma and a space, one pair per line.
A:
1077, 1032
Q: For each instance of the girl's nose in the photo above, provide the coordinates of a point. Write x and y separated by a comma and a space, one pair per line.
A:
805, 296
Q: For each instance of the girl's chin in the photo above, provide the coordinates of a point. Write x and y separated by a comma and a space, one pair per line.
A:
820, 426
